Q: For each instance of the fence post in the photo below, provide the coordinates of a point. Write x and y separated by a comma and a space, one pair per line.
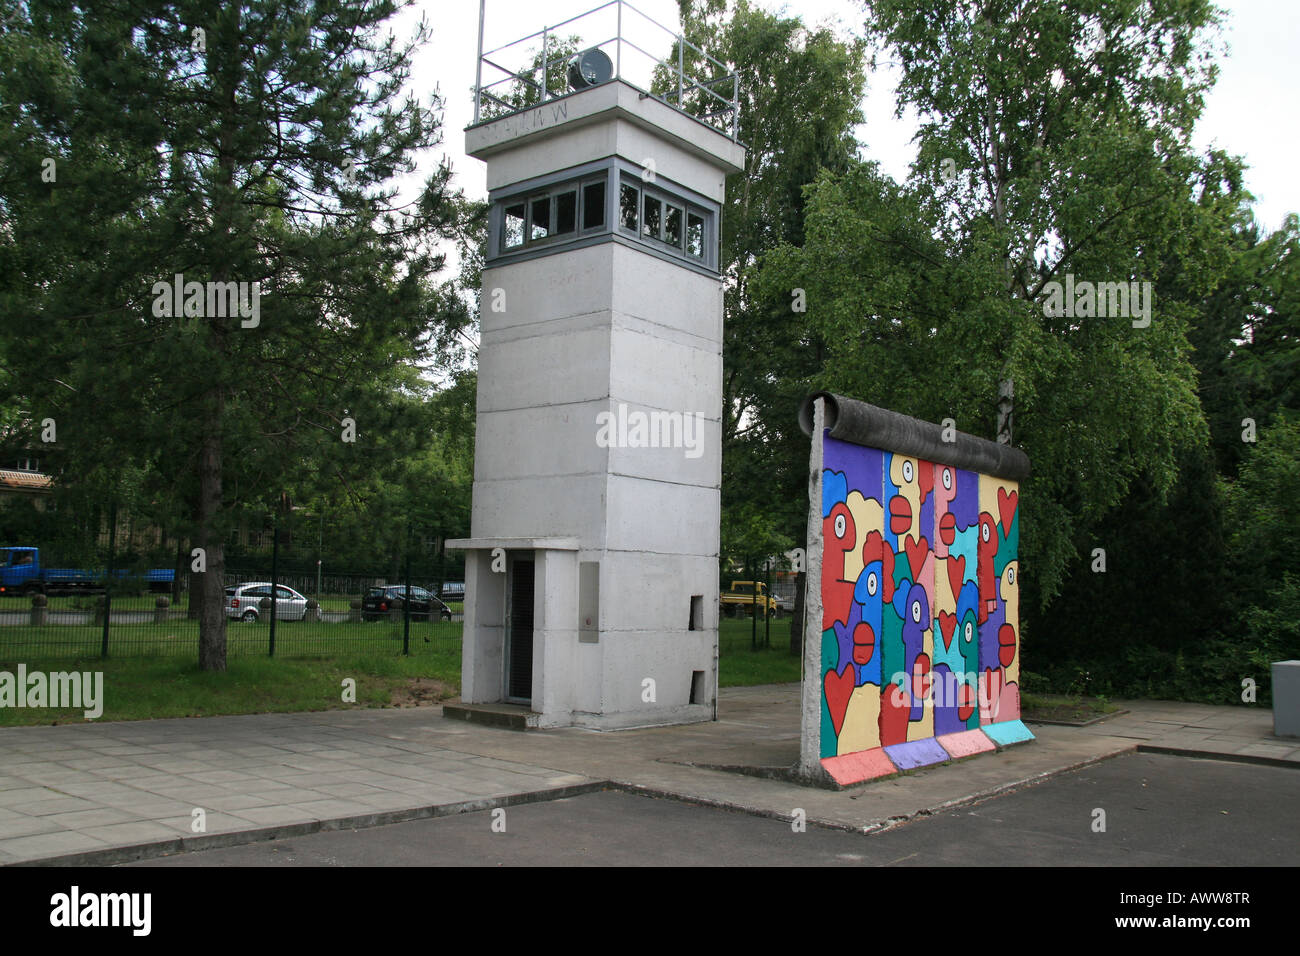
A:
275, 570
681, 69
753, 606
39, 602
478, 69
108, 581
546, 65
767, 611
406, 604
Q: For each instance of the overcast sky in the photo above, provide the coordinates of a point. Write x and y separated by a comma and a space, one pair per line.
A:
1251, 112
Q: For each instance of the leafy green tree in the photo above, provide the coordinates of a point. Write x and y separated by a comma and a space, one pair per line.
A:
253, 142
1052, 142
1264, 515
799, 95
526, 88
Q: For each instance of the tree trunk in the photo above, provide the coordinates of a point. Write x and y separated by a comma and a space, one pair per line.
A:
226, 53
212, 611
796, 616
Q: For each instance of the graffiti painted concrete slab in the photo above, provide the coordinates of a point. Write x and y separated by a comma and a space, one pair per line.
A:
913, 621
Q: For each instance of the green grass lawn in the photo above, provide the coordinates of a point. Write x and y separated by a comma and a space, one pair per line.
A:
152, 670
157, 687
1064, 708
180, 638
740, 666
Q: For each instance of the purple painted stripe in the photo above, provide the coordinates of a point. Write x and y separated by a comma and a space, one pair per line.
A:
917, 753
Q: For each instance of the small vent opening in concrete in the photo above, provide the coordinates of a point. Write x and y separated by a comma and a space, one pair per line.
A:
697, 687
697, 613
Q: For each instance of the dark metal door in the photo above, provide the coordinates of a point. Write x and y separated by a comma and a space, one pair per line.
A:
519, 653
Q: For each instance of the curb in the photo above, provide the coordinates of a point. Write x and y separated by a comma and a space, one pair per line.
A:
111, 856
1074, 723
1219, 755
991, 792
875, 827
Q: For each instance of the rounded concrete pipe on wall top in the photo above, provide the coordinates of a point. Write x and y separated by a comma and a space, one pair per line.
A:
850, 420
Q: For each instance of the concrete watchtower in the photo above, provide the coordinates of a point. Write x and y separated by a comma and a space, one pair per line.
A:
592, 570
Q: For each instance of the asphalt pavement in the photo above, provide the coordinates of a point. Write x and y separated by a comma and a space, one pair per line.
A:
1155, 810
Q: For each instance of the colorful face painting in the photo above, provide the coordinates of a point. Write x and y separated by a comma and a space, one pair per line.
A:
906, 708
956, 637
920, 607
999, 600
854, 588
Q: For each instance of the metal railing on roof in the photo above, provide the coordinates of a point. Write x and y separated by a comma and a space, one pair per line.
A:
520, 75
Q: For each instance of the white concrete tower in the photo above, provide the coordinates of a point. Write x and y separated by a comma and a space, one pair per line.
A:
592, 570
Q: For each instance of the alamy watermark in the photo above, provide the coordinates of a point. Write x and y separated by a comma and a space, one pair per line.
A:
212, 300
626, 428
76, 908
58, 689
1084, 299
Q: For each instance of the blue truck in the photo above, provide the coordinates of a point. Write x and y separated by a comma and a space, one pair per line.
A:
21, 573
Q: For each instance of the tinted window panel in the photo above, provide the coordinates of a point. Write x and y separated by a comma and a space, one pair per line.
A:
539, 221
566, 213
593, 205
695, 235
673, 227
627, 202
652, 220
514, 227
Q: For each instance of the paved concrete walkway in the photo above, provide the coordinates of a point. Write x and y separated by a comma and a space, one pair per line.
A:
106, 792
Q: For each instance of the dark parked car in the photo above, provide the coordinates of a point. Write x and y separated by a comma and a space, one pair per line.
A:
380, 601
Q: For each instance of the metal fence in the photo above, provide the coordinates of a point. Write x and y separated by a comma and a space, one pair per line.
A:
326, 623
527, 71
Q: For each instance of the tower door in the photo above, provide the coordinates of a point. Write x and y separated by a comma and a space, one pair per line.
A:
519, 630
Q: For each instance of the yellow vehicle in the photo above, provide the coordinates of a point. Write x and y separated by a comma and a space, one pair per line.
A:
741, 600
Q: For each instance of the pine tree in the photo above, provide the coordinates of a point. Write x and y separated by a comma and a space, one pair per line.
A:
251, 143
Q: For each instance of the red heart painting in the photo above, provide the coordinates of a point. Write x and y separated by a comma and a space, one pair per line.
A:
917, 552
839, 688
956, 573
894, 711
948, 626
1007, 509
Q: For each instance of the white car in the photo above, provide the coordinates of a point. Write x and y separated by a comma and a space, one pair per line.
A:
244, 602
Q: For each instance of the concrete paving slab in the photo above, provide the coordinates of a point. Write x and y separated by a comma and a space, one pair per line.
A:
136, 832
413, 761
88, 819
50, 844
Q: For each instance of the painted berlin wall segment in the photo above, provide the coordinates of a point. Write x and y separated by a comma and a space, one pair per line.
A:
919, 599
